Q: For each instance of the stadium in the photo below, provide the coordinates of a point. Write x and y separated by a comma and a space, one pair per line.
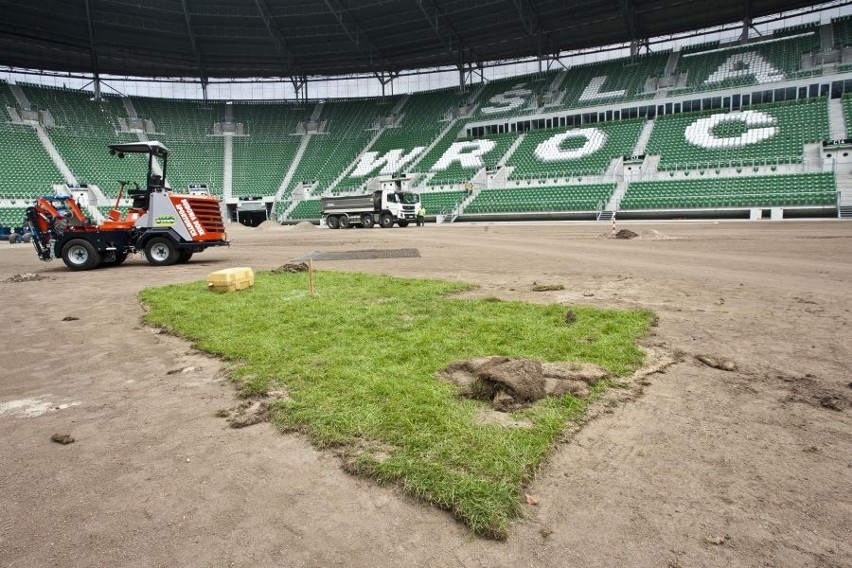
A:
531, 131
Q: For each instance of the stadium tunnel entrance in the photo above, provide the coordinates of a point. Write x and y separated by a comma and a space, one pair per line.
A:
249, 212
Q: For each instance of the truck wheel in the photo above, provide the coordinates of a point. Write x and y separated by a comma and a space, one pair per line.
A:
161, 252
386, 220
344, 221
402, 223
332, 222
184, 256
367, 221
80, 254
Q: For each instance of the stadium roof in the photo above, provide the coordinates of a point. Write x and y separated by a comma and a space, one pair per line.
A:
294, 38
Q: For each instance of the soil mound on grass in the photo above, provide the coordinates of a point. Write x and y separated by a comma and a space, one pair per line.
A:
513, 383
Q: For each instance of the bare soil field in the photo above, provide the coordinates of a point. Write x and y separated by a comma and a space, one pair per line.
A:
707, 467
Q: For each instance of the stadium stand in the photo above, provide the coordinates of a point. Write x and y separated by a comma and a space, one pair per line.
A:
441, 202
541, 199
307, 209
12, 217
83, 130
185, 127
261, 159
761, 134
26, 170
542, 169
744, 191
842, 28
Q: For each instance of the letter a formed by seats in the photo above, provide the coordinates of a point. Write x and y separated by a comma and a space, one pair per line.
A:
746, 64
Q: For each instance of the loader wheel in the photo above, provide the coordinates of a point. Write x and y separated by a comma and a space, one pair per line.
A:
402, 223
386, 220
116, 259
161, 252
184, 256
80, 254
344, 221
332, 222
13, 238
367, 221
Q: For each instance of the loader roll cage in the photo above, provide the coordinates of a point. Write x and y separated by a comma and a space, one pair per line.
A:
154, 182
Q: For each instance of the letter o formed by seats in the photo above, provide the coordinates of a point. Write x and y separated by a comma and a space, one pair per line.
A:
550, 150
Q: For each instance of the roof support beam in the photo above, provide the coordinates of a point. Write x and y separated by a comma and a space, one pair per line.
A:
95, 72
290, 63
202, 72
433, 17
629, 18
357, 36
531, 24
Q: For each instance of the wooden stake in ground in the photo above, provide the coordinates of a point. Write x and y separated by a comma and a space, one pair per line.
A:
311, 276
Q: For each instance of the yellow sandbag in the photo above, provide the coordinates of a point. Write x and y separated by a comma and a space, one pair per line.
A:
230, 279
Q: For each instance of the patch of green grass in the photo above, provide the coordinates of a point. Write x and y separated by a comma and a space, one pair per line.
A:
359, 360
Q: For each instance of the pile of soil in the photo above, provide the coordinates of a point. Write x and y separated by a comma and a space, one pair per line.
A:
269, 225
652, 235
511, 384
304, 226
625, 234
26, 277
248, 413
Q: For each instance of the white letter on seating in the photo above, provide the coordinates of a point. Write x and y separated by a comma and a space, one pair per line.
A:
468, 159
700, 132
393, 161
746, 65
593, 91
510, 100
550, 150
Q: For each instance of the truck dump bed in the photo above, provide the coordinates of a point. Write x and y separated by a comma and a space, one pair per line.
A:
345, 203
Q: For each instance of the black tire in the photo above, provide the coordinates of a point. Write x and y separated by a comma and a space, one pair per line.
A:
367, 221
184, 256
115, 259
27, 237
344, 222
80, 254
402, 223
332, 222
160, 251
386, 220
13, 238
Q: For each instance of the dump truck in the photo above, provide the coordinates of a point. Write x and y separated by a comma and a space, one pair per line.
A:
384, 206
168, 227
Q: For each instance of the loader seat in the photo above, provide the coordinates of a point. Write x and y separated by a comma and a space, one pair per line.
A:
114, 215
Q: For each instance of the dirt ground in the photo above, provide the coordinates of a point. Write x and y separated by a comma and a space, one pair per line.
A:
751, 467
